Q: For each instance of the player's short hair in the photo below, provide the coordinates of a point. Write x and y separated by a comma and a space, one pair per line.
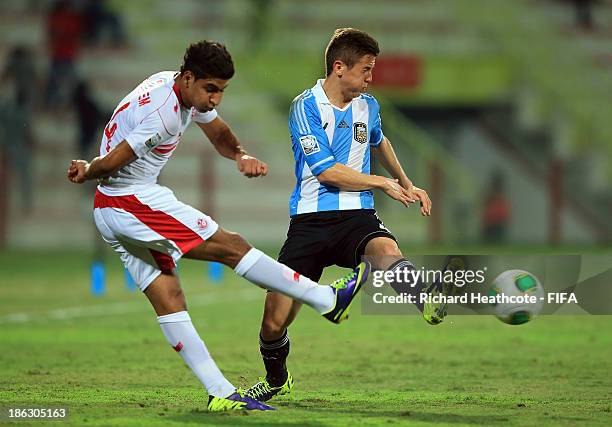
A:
349, 45
208, 59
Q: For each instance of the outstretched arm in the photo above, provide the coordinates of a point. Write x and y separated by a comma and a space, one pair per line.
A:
388, 159
348, 179
226, 143
101, 166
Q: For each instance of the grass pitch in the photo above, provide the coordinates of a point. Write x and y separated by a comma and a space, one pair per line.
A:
106, 360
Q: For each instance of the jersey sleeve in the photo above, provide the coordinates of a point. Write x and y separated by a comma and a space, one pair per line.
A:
376, 133
153, 130
206, 117
309, 136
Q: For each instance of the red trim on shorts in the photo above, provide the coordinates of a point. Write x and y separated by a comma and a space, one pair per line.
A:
160, 222
164, 262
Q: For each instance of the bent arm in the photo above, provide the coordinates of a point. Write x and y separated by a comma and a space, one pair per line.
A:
226, 143
388, 159
222, 138
111, 162
347, 179
101, 166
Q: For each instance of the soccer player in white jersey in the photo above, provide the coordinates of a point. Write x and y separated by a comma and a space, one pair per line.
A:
151, 230
334, 126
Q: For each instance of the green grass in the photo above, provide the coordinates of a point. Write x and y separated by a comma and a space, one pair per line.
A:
110, 365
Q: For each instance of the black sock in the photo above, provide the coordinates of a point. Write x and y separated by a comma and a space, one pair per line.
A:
274, 354
405, 287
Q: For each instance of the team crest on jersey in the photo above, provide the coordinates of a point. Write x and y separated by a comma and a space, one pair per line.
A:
153, 141
360, 132
310, 145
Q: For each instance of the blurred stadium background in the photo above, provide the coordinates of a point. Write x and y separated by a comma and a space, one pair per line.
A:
500, 109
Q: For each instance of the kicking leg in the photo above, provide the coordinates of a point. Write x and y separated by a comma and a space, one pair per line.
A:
393, 260
331, 301
386, 255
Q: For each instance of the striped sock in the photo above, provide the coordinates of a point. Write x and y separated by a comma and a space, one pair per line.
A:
274, 354
406, 288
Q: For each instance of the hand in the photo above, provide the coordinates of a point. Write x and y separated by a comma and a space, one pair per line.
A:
392, 188
250, 166
77, 171
421, 195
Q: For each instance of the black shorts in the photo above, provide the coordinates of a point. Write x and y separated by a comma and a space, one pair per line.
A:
318, 240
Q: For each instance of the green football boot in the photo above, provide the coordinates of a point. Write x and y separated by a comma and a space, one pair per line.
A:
236, 401
263, 391
435, 312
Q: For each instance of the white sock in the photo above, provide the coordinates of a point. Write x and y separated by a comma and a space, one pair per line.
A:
262, 270
183, 337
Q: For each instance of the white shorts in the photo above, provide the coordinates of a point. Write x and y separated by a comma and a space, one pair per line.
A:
150, 230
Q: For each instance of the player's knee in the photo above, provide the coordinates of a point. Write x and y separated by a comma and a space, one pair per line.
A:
239, 244
237, 247
176, 301
390, 249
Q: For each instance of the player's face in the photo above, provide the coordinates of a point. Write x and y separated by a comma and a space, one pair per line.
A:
355, 80
206, 94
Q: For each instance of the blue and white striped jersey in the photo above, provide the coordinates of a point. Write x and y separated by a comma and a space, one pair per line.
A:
323, 135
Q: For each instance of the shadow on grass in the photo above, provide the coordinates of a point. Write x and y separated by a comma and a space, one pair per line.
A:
333, 416
251, 418
401, 414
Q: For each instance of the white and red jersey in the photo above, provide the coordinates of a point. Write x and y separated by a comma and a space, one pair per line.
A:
151, 120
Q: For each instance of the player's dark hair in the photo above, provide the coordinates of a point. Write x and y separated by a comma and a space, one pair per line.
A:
208, 59
349, 45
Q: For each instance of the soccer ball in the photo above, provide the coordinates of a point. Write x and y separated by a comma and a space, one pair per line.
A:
517, 284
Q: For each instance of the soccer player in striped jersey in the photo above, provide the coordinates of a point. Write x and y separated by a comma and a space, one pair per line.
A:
335, 126
151, 230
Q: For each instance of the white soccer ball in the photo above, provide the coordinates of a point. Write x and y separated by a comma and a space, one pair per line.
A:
526, 294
